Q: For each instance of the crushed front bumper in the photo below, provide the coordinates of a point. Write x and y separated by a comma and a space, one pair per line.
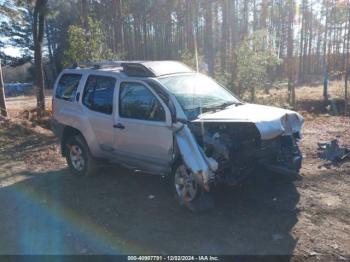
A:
280, 155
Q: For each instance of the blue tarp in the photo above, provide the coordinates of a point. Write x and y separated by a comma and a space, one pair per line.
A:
17, 89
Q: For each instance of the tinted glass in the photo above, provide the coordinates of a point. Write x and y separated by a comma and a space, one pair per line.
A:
137, 101
67, 86
98, 94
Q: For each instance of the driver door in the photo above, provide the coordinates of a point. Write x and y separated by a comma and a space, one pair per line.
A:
143, 135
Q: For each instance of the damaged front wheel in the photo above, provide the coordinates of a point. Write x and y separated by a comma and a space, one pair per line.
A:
187, 191
186, 186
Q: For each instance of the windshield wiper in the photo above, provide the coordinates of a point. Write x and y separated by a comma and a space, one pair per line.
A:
224, 105
214, 108
227, 104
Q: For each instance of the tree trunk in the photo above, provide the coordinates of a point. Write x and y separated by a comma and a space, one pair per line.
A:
118, 26
3, 109
245, 20
306, 44
325, 60
301, 69
309, 65
318, 60
264, 13
255, 16
50, 49
38, 35
189, 26
290, 59
347, 66
84, 15
224, 34
209, 37
233, 31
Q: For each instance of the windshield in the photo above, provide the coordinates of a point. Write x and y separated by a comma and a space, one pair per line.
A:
198, 93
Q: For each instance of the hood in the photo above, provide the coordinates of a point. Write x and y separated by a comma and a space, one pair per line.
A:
270, 121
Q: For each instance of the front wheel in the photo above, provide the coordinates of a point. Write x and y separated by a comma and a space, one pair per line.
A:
79, 159
187, 191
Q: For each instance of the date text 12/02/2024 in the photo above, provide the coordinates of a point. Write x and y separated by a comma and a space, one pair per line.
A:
173, 258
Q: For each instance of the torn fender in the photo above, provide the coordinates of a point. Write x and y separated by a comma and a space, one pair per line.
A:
193, 156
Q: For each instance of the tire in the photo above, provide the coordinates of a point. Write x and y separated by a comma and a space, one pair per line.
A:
188, 193
79, 159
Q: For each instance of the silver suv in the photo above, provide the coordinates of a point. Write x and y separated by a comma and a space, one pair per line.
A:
163, 118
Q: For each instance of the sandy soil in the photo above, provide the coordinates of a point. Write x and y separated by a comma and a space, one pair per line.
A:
44, 210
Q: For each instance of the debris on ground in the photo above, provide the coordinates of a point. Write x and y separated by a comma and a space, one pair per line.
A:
151, 197
331, 151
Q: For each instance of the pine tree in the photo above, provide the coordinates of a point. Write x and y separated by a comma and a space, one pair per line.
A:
3, 109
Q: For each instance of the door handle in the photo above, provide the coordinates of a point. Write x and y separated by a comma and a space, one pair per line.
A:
119, 125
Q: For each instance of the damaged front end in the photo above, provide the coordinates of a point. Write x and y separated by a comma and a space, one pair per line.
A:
203, 167
228, 151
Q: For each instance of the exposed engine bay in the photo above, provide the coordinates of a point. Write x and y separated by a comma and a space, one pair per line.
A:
238, 149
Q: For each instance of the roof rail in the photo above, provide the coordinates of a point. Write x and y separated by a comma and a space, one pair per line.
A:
139, 68
136, 69
96, 65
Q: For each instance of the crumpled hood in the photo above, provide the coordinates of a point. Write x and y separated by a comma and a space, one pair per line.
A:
270, 121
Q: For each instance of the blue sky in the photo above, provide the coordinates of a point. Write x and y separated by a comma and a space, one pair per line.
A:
8, 50
12, 51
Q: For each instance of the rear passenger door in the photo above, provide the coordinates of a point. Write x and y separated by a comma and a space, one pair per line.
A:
98, 104
142, 128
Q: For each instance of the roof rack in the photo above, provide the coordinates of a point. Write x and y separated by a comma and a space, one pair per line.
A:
96, 65
139, 68
136, 69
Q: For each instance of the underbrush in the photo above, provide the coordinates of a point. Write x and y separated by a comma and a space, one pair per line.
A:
309, 99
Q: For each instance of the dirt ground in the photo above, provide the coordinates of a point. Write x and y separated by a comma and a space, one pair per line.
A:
44, 210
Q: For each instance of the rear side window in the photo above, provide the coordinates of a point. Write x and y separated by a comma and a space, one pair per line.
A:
98, 94
67, 87
138, 102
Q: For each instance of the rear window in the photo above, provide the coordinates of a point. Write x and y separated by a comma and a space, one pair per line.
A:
67, 87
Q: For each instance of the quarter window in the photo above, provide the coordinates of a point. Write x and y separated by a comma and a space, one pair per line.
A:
138, 102
67, 87
98, 94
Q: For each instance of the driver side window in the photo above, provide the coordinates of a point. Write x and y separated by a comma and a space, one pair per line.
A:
136, 101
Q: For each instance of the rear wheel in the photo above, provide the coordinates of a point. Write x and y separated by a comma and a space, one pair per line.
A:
80, 161
187, 191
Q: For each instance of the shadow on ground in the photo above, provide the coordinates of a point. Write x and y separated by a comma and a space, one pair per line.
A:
55, 213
